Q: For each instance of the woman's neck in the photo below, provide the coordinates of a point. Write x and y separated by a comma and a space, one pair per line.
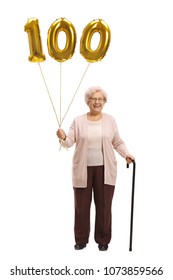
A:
94, 117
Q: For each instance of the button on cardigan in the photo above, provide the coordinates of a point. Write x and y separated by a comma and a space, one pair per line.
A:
111, 140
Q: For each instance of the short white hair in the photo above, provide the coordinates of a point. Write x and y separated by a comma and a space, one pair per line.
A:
90, 91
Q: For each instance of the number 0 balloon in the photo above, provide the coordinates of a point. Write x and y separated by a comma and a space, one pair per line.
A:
57, 26
85, 43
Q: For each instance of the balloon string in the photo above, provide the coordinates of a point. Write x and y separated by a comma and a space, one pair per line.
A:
75, 93
60, 90
49, 94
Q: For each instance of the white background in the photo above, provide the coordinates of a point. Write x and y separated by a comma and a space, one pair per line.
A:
36, 197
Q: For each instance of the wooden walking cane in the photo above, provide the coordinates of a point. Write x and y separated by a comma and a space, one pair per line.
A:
132, 204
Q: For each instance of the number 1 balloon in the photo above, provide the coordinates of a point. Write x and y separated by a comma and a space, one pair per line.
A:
35, 45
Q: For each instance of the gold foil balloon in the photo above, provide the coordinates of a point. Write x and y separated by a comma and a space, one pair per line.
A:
35, 45
61, 24
85, 43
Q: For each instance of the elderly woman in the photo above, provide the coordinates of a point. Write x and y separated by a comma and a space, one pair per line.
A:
94, 167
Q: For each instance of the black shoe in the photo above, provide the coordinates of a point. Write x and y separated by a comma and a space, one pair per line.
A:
103, 247
79, 246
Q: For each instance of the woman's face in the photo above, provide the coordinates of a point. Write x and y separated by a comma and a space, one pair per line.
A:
96, 103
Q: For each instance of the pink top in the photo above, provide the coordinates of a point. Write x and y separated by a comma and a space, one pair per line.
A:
111, 140
95, 139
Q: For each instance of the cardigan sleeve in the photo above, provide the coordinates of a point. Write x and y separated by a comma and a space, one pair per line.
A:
118, 143
70, 137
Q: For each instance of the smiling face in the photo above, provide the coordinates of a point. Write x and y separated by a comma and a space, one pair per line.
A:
96, 103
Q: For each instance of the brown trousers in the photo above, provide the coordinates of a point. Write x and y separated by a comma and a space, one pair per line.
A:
103, 195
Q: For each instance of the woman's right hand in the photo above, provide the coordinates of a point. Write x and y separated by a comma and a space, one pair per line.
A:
61, 134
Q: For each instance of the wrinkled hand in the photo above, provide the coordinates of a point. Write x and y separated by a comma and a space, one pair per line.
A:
130, 159
61, 134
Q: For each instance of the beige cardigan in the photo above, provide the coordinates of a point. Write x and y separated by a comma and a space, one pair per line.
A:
111, 139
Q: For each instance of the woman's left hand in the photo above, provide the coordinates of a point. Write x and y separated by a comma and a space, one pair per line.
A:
130, 159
